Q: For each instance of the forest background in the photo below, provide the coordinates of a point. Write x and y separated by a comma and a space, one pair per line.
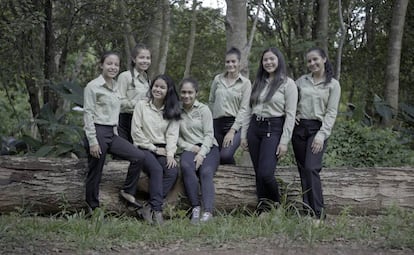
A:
50, 50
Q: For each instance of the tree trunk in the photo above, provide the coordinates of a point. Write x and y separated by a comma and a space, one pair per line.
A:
48, 185
190, 50
341, 41
322, 24
128, 36
236, 30
392, 72
159, 38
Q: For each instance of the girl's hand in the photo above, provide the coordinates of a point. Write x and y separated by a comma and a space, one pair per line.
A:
95, 151
228, 138
171, 162
281, 150
317, 146
198, 159
244, 145
195, 149
161, 151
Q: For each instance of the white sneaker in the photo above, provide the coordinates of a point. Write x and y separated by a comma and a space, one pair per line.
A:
207, 216
195, 215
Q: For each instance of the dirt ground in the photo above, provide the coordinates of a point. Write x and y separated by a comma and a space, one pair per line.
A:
251, 247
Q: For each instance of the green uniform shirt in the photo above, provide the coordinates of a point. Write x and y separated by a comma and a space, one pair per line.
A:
318, 101
101, 106
148, 127
230, 101
282, 103
196, 127
132, 93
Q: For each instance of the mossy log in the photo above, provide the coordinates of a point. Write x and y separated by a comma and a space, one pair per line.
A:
50, 185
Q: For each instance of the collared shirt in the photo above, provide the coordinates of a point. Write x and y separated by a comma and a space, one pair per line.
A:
101, 106
130, 92
149, 128
282, 103
318, 101
196, 127
230, 100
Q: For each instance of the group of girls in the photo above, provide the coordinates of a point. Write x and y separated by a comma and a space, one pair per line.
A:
155, 123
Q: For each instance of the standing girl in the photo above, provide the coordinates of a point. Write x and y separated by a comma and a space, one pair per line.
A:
133, 86
154, 128
273, 108
101, 111
319, 95
201, 156
229, 102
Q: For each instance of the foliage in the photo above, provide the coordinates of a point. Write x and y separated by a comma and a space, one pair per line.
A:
104, 231
356, 145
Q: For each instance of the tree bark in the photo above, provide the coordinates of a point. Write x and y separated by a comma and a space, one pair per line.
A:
392, 72
341, 41
236, 30
190, 50
46, 185
322, 24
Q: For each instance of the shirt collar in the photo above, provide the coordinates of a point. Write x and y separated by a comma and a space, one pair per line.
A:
196, 104
310, 78
239, 76
101, 81
152, 106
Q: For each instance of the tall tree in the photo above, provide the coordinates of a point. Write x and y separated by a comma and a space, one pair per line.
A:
394, 55
236, 29
190, 49
322, 24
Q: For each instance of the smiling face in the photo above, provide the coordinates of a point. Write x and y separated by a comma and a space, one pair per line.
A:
143, 60
159, 90
315, 62
110, 66
232, 63
188, 94
270, 62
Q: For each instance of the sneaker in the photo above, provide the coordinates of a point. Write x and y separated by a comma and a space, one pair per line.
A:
195, 215
146, 213
158, 218
130, 199
207, 216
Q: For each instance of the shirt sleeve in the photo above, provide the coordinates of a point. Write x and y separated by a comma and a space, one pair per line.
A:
171, 137
244, 105
184, 145
246, 122
331, 112
123, 82
212, 97
291, 100
137, 133
88, 115
208, 131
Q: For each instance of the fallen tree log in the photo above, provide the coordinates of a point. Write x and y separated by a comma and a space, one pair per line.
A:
50, 185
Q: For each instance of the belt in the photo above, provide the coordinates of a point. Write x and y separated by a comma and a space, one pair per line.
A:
264, 119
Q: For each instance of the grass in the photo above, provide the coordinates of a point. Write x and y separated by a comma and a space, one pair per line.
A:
392, 230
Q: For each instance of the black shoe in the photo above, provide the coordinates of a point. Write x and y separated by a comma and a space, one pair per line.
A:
146, 213
130, 199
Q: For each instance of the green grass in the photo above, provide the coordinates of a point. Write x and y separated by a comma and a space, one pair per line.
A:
393, 229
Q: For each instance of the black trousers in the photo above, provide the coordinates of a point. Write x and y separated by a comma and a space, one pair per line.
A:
309, 164
161, 179
111, 143
221, 127
124, 126
263, 138
203, 175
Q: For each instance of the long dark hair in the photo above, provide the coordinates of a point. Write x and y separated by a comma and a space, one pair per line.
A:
172, 109
134, 53
261, 76
329, 72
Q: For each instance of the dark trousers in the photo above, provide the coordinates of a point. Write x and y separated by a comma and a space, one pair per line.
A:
111, 143
263, 138
309, 164
204, 175
161, 179
221, 127
124, 126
